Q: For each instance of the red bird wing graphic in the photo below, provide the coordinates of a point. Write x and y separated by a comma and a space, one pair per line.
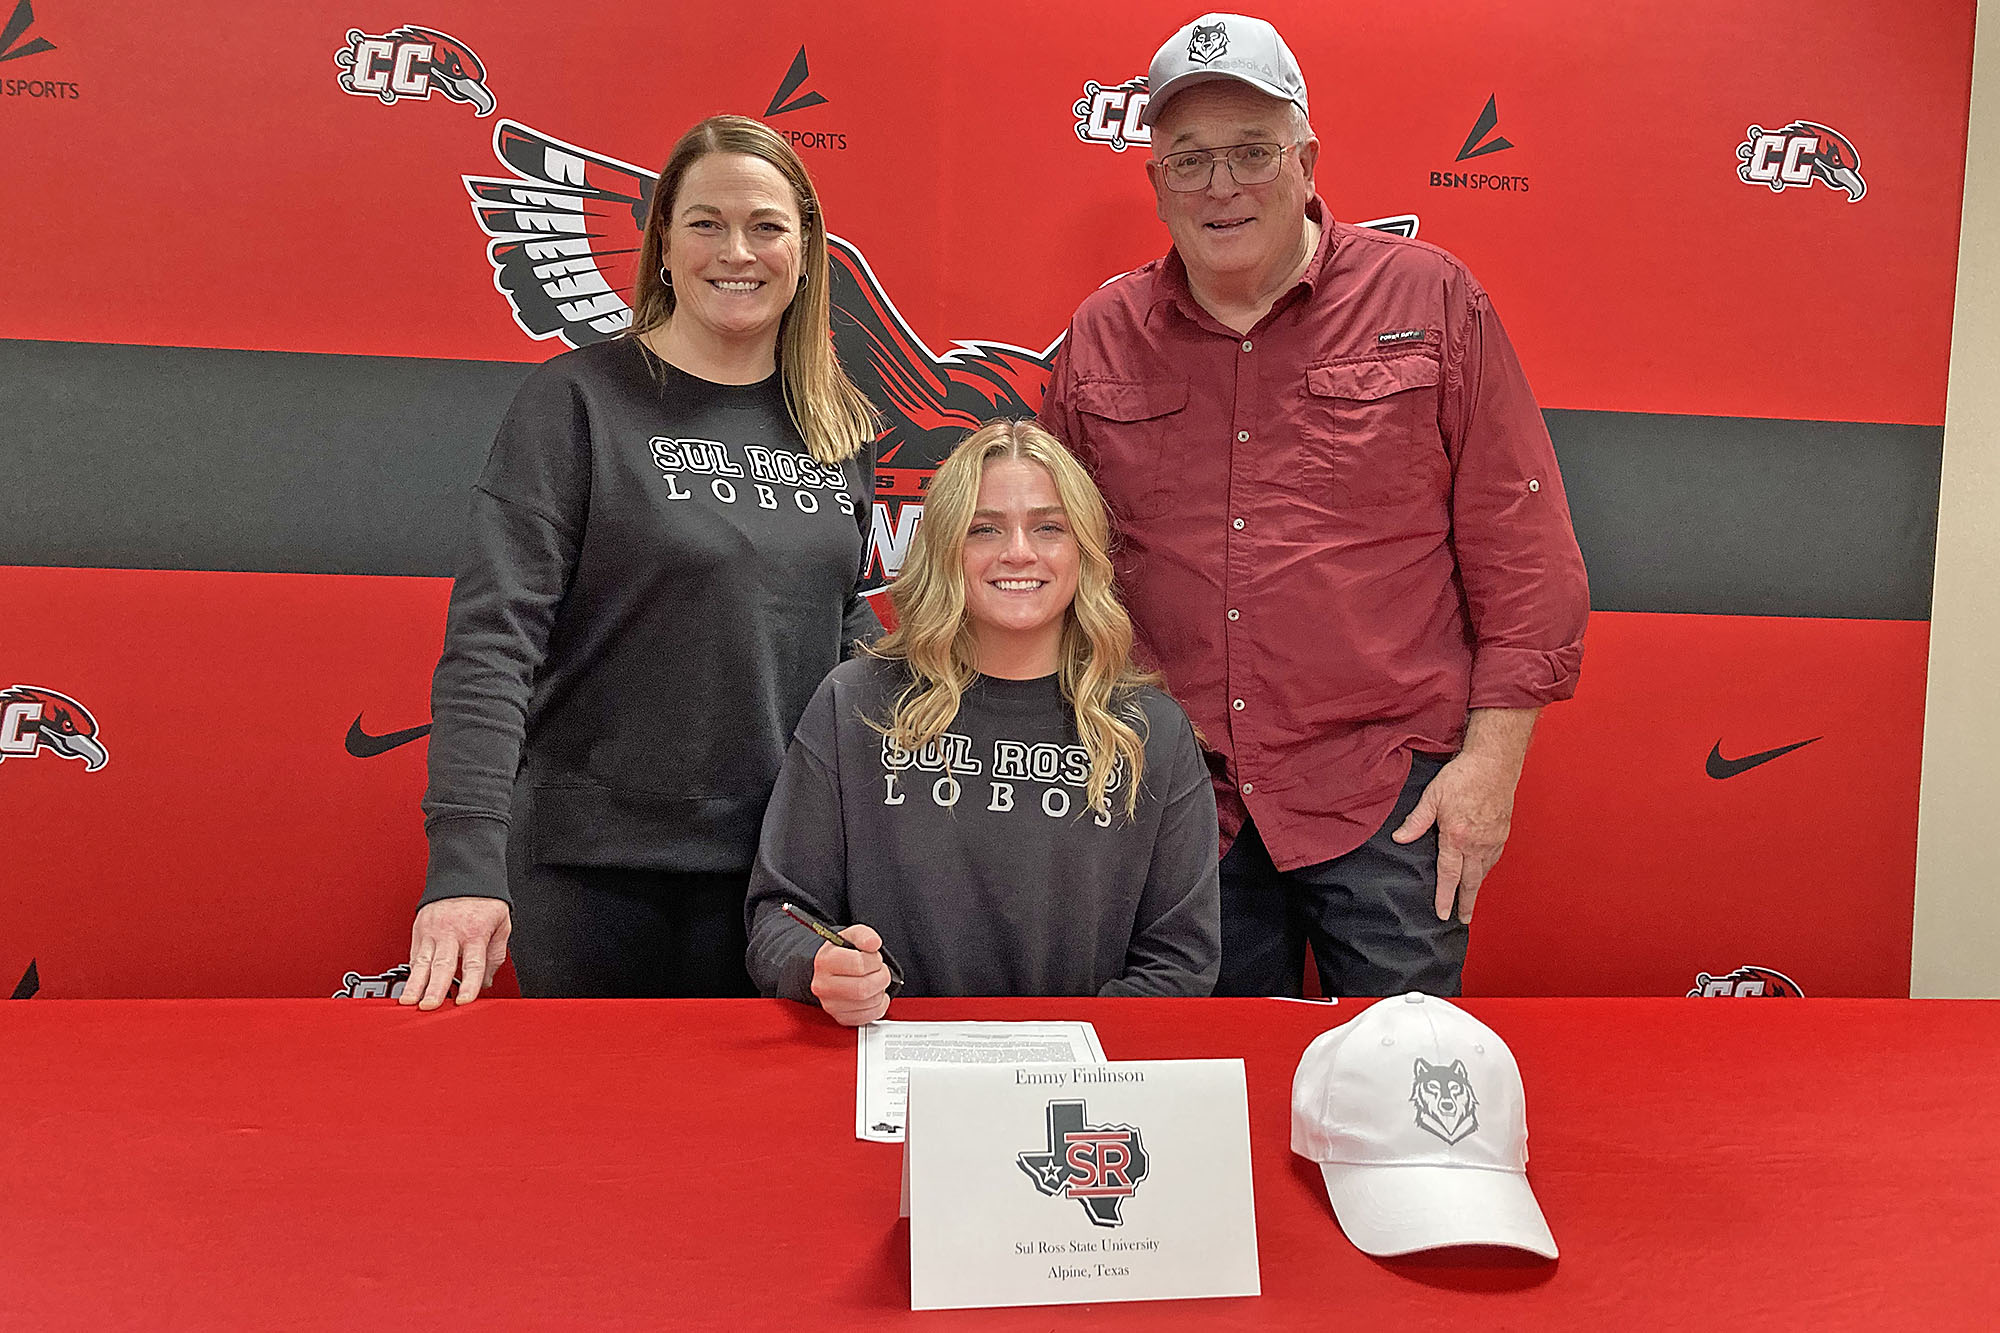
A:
928, 401
566, 229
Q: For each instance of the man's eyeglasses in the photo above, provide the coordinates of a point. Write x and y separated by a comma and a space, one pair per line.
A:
1249, 164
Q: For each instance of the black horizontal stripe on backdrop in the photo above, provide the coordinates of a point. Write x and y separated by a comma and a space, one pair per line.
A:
180, 458
191, 458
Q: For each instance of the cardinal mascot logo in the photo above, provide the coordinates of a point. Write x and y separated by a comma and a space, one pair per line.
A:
1799, 154
563, 229
410, 62
1746, 982
34, 719
374, 986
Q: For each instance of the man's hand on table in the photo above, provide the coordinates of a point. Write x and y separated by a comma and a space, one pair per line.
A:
453, 934
852, 985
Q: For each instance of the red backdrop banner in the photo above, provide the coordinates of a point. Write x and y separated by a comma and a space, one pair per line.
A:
1697, 209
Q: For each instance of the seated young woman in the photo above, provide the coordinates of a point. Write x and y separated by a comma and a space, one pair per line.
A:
993, 799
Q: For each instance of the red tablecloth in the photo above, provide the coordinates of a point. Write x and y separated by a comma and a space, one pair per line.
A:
607, 1164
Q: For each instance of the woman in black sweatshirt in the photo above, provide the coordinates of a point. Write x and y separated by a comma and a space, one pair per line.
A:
663, 563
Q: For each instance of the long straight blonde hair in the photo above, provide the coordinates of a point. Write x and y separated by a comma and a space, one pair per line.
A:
833, 417
935, 640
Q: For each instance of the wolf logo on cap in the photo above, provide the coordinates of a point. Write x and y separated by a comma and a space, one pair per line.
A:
1444, 1100
1208, 41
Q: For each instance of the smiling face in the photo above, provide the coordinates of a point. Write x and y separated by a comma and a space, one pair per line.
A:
1020, 563
732, 246
1232, 235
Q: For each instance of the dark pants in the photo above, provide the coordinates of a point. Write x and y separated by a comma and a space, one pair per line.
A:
1370, 915
585, 932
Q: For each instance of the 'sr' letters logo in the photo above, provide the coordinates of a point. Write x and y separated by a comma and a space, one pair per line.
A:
1100, 1166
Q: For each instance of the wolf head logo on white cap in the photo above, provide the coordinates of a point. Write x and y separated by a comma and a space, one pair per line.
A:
1224, 46
1415, 1114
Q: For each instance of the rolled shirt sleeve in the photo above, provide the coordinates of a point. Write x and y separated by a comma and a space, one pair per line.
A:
1525, 588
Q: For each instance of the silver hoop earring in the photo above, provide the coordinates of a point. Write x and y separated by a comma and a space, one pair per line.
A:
666, 277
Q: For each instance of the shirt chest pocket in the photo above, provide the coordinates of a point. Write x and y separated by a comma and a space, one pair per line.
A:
1137, 429
1371, 435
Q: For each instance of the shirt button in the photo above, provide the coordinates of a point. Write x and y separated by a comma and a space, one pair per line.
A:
1246, 344
1243, 437
1533, 484
1237, 524
1246, 789
1237, 705
1234, 614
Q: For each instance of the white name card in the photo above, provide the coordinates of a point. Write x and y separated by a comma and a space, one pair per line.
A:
1066, 1184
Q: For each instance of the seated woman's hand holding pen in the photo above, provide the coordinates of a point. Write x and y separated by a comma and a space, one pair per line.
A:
852, 983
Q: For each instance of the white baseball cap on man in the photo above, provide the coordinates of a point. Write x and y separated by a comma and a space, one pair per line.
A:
1224, 46
1415, 1113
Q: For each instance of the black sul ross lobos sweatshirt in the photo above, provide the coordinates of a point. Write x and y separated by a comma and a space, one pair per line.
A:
977, 860
656, 579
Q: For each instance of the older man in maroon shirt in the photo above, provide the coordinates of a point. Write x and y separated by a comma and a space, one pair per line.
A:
1343, 536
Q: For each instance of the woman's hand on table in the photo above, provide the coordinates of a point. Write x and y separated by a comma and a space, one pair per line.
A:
453, 936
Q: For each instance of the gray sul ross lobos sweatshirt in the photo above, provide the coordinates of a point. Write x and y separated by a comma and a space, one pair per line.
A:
977, 859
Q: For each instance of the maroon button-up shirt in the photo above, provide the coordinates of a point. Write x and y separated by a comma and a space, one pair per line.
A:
1337, 532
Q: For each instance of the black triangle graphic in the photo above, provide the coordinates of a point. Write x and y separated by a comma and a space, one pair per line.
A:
19, 22
1482, 127
799, 103
31, 981
795, 78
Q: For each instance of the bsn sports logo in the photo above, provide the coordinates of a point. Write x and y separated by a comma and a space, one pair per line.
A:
793, 95
374, 986
15, 44
410, 62
1799, 154
563, 228
1110, 114
1482, 141
1443, 1096
1746, 982
1100, 1166
34, 719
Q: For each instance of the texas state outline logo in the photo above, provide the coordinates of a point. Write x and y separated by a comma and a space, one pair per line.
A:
1100, 1166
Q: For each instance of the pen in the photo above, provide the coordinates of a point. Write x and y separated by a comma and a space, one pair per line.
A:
827, 933
824, 932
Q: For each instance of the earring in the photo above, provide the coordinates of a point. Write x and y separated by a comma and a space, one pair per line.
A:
666, 277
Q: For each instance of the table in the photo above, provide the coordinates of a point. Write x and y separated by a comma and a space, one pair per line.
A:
335, 1164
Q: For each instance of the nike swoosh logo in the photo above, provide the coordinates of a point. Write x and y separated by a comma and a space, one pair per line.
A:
363, 746
1719, 768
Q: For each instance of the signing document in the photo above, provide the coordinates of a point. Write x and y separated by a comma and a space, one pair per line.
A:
887, 1050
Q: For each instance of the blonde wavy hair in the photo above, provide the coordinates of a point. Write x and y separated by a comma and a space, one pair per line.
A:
835, 419
934, 639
